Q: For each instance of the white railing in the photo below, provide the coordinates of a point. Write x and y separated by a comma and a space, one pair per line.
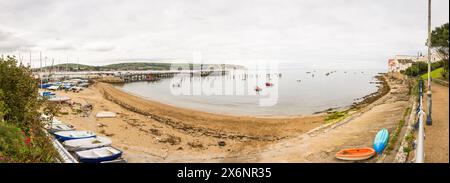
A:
420, 155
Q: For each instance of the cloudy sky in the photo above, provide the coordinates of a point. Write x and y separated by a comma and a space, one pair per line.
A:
323, 33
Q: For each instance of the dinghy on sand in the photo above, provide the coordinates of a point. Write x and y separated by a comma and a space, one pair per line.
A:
106, 114
55, 125
98, 155
87, 143
70, 135
355, 154
58, 127
58, 98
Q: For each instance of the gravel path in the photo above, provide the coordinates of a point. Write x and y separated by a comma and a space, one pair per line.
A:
436, 136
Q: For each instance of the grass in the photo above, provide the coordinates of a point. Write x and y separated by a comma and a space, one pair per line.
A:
435, 74
394, 136
336, 116
407, 112
414, 86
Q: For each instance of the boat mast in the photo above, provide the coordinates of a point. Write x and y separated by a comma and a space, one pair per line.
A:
40, 60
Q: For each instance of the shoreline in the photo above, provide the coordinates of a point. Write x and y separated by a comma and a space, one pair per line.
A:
217, 125
156, 132
383, 89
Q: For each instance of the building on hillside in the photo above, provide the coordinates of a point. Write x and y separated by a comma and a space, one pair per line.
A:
402, 62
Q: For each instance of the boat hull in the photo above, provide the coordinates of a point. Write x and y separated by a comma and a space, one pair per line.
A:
381, 140
66, 135
355, 154
84, 158
87, 143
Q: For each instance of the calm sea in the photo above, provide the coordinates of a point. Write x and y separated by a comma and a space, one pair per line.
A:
296, 91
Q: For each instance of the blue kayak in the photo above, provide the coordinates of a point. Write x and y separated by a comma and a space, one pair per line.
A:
381, 140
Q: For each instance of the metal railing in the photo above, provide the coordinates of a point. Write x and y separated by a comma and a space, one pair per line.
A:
420, 155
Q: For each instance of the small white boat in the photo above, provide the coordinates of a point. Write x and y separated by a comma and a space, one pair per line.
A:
87, 143
98, 155
106, 114
58, 127
55, 125
70, 135
54, 88
58, 99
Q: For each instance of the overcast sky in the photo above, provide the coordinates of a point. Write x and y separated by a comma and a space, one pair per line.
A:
322, 33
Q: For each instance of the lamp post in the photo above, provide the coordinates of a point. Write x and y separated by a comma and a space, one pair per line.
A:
429, 121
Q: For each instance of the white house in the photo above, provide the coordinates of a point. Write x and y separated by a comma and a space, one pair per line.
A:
402, 62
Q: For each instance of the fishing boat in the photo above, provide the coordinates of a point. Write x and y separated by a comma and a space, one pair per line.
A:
98, 155
87, 143
70, 135
355, 154
381, 140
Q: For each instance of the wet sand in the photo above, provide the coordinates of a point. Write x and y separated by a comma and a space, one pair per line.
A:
149, 131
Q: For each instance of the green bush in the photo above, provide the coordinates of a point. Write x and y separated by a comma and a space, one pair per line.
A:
420, 68
19, 116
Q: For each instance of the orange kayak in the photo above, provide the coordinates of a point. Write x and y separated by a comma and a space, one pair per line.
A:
355, 154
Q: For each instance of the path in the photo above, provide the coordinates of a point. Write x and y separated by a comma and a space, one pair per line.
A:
436, 136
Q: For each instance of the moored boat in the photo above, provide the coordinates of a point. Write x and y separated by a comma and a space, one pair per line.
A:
355, 154
70, 135
87, 143
98, 155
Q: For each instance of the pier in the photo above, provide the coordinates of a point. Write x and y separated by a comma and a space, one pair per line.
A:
127, 76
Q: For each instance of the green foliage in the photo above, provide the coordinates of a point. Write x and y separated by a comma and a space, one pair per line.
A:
435, 74
407, 149
19, 112
439, 42
407, 112
335, 116
419, 68
2, 106
20, 93
394, 136
15, 146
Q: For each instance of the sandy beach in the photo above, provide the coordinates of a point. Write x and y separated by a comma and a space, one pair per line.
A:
152, 132
149, 131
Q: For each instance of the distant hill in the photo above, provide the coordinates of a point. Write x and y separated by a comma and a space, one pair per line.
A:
126, 66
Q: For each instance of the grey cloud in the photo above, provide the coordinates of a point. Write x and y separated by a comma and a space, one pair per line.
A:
290, 30
11, 42
101, 48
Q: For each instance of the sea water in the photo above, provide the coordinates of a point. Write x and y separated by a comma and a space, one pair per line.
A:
295, 91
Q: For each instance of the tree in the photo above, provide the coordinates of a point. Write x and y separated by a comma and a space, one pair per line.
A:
439, 43
22, 138
20, 93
